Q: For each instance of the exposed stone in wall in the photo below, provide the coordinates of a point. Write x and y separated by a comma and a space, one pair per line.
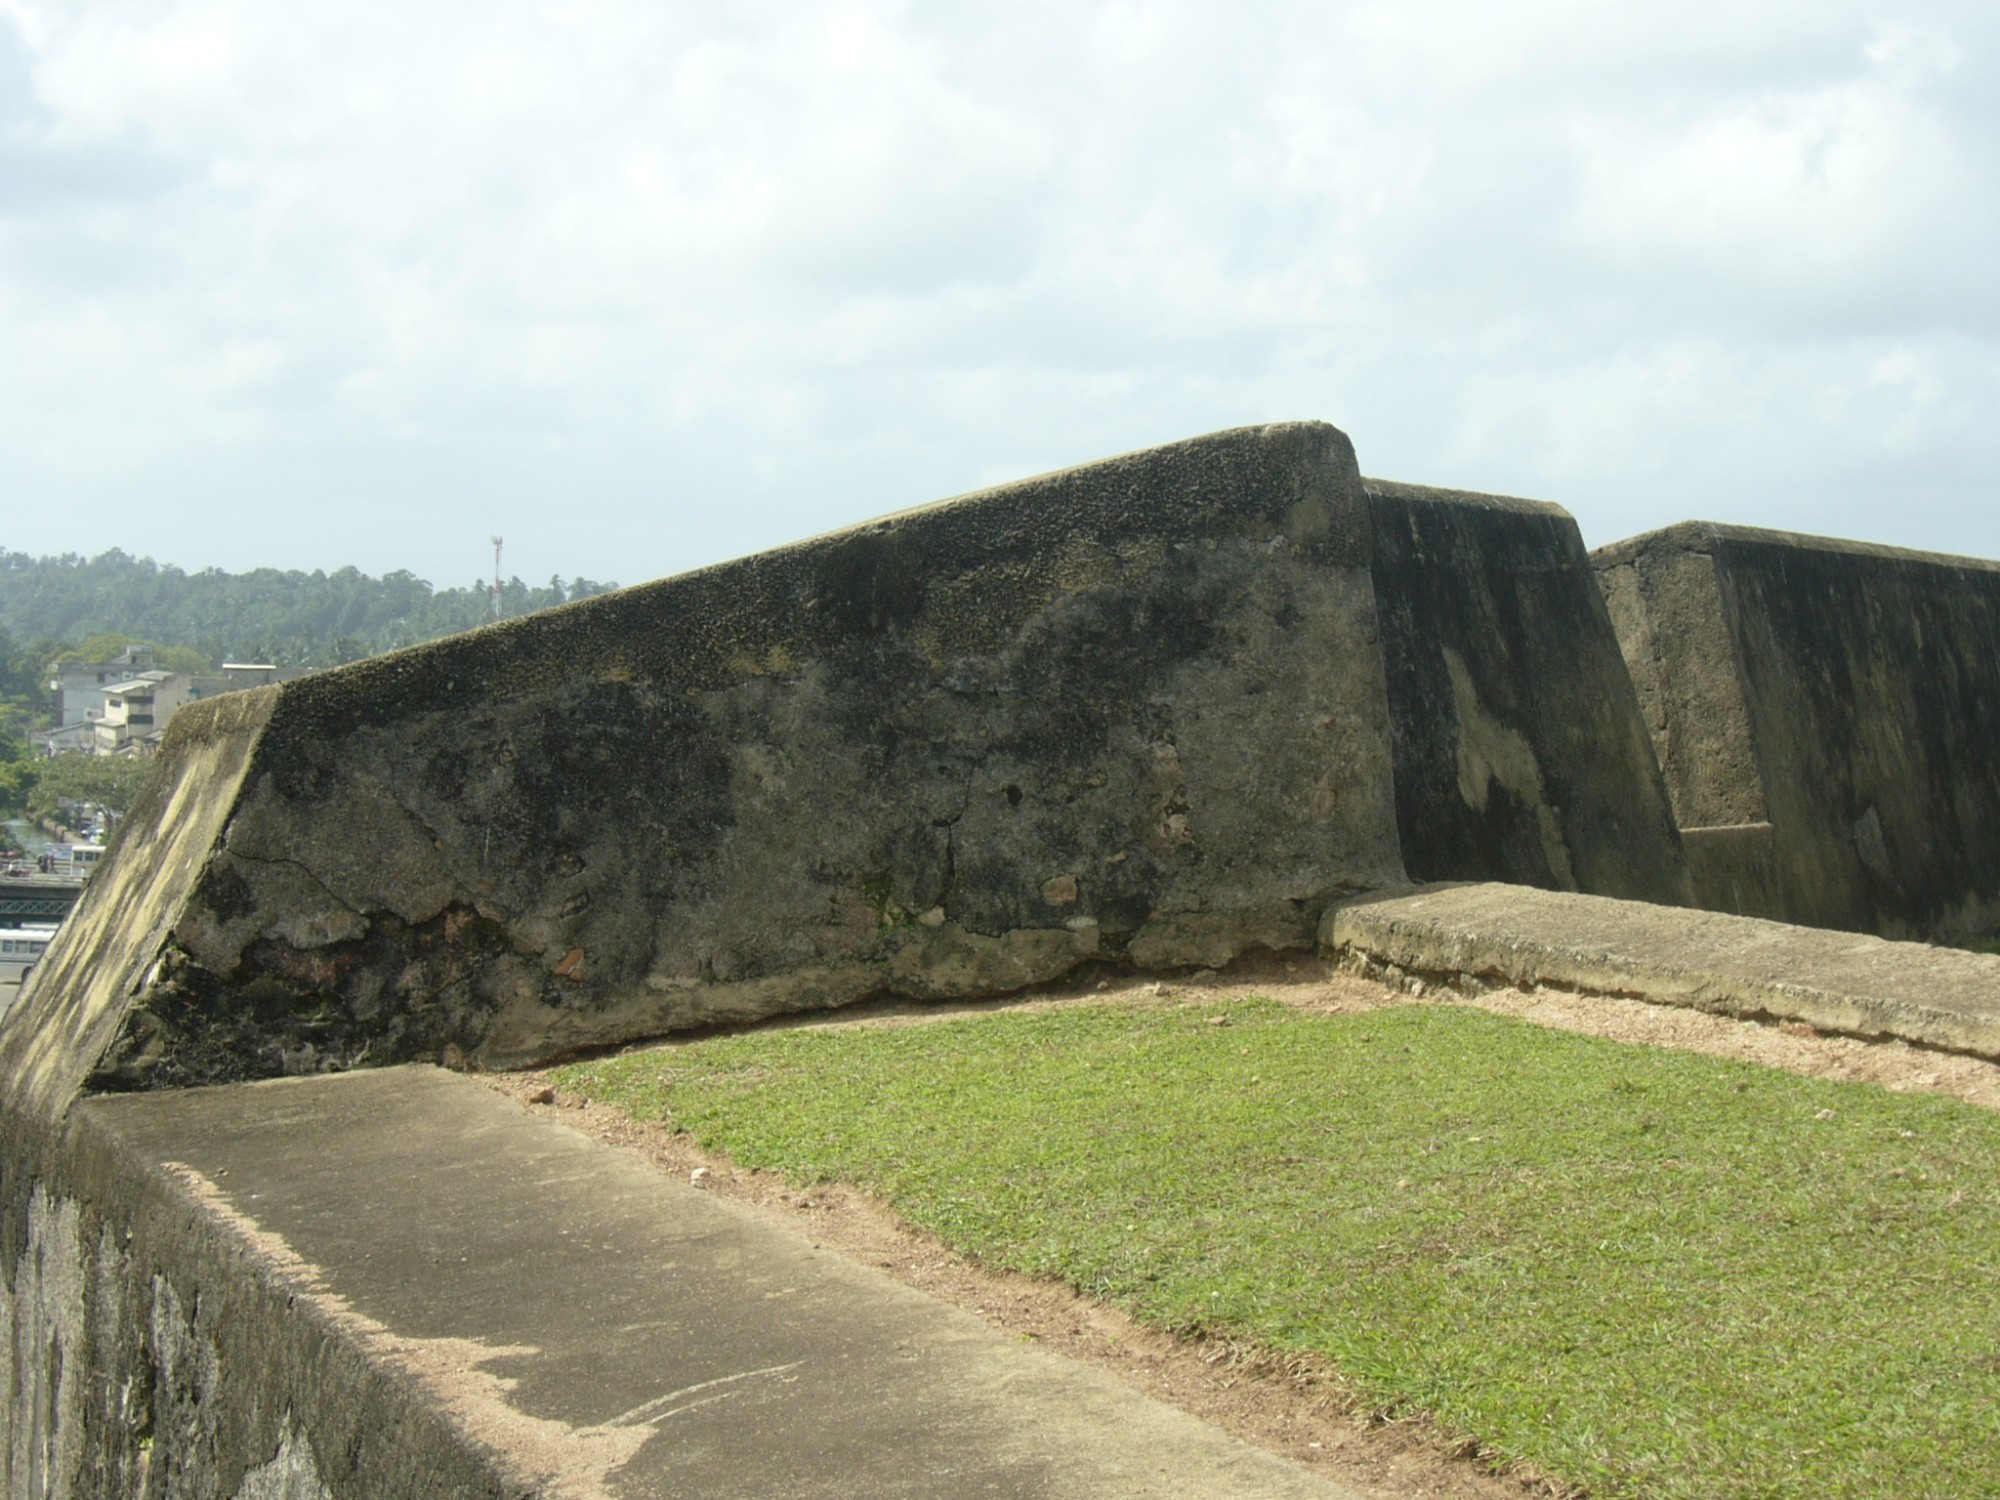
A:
147, 1353
292, 1473
103, 1367
1828, 716
1673, 629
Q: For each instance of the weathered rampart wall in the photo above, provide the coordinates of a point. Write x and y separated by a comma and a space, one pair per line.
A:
1520, 753
1132, 711
1156, 710
1827, 715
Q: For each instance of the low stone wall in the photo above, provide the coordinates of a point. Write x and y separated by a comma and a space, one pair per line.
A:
1479, 936
1827, 715
147, 1351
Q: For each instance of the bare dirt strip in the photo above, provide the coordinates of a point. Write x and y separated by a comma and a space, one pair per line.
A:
1297, 1408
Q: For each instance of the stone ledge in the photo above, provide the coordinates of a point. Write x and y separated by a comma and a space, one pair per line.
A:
1742, 966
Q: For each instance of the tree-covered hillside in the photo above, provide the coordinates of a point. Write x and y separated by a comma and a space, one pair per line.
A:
21, 709
91, 608
289, 618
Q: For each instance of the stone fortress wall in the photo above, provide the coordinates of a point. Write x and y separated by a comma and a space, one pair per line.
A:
1161, 710
1827, 715
1158, 711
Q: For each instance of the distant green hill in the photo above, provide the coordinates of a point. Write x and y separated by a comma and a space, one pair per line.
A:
292, 619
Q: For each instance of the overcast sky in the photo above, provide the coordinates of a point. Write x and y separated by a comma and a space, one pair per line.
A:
645, 285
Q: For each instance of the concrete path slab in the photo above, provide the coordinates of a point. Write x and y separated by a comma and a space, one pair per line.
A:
599, 1330
1833, 981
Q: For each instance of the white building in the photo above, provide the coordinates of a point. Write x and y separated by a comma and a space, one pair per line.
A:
136, 711
69, 739
80, 686
122, 706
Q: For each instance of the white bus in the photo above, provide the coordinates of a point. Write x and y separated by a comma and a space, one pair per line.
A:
21, 948
75, 859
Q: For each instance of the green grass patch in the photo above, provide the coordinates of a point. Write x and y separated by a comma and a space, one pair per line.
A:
1646, 1272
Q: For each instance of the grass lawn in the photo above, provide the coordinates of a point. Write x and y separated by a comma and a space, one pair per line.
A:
1646, 1272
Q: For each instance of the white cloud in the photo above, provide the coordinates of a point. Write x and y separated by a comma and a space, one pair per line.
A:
641, 285
1818, 203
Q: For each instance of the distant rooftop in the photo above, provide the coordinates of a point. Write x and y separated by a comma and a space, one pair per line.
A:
134, 684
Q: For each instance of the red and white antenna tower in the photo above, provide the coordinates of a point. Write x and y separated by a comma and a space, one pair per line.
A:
497, 542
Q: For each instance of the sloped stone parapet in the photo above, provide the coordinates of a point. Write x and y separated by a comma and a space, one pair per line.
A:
1129, 711
1158, 710
114, 946
1844, 982
1520, 751
1827, 714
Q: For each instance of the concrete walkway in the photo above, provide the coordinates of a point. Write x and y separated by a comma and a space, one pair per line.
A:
595, 1329
1743, 966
